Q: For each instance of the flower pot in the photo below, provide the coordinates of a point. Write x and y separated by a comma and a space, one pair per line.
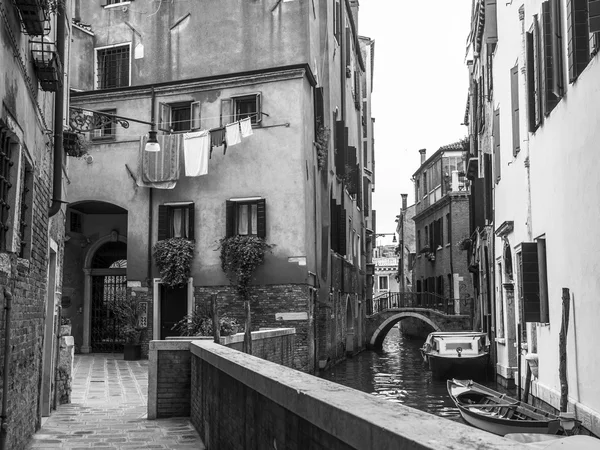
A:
65, 330
132, 352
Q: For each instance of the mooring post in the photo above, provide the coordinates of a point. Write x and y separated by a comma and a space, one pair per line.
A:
562, 349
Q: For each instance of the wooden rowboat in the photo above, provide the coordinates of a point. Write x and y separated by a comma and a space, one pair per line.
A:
491, 411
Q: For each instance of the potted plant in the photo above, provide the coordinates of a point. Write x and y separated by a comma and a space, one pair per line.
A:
65, 326
74, 144
200, 323
128, 318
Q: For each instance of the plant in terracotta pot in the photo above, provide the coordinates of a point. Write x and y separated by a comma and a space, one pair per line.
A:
128, 318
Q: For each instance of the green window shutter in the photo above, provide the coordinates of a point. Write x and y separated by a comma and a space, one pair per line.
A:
537, 71
340, 150
531, 79
496, 134
366, 196
229, 218
490, 30
342, 231
594, 16
530, 282
578, 37
549, 100
164, 116
258, 108
226, 111
557, 48
191, 222
334, 226
514, 95
261, 218
348, 44
163, 222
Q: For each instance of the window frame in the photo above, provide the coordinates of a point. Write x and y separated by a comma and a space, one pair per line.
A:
232, 216
165, 115
165, 223
256, 117
387, 283
97, 50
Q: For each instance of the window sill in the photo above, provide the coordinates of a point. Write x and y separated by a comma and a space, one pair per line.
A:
100, 139
116, 5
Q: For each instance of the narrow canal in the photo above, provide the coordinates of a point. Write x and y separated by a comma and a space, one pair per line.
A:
398, 374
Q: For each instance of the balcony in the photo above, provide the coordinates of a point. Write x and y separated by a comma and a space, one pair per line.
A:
34, 14
47, 64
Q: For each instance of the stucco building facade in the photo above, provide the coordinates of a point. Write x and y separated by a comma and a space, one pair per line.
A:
298, 73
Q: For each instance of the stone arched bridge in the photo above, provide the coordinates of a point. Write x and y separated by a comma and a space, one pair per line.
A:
440, 314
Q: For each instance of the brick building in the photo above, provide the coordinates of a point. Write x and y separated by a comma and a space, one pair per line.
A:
302, 180
441, 221
32, 95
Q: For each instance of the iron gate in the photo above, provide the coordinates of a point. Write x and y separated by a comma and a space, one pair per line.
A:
107, 291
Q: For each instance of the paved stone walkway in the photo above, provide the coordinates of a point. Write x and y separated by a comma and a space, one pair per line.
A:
108, 410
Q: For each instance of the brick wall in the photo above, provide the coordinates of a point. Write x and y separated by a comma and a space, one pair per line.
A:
173, 383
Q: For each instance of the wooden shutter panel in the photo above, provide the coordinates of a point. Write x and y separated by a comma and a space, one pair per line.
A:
340, 152
496, 134
357, 90
557, 48
334, 227
348, 44
191, 222
549, 100
195, 114
351, 163
342, 231
578, 37
226, 111
163, 222
229, 218
261, 218
164, 116
530, 282
531, 78
490, 30
514, 94
338, 22
537, 71
319, 109
258, 108
366, 196
594, 16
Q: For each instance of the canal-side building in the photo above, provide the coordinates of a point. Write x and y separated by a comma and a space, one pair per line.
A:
386, 275
545, 73
33, 89
406, 250
441, 220
296, 177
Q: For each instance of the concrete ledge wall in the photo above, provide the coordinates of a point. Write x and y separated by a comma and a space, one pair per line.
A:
169, 366
242, 402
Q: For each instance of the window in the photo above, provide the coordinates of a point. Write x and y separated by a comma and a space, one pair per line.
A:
528, 279
448, 229
6, 165
26, 202
425, 190
383, 283
247, 106
337, 21
179, 117
514, 89
246, 217
426, 236
176, 220
75, 222
579, 24
418, 240
113, 66
496, 137
107, 131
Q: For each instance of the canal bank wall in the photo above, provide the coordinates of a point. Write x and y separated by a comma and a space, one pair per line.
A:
239, 401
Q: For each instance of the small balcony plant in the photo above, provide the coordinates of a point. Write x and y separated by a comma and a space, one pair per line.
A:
173, 258
74, 144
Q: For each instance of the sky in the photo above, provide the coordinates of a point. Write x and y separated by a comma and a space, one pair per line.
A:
419, 90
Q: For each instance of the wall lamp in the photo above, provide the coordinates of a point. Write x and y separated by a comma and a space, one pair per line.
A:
386, 234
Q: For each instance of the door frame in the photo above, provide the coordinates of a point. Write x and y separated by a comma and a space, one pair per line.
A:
156, 304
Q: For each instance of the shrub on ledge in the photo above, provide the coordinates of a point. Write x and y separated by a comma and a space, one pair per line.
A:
173, 258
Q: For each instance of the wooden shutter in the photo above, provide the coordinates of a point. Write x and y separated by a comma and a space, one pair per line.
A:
164, 116
319, 109
530, 282
351, 163
338, 22
366, 196
514, 95
258, 108
531, 79
226, 111
229, 218
195, 114
496, 134
594, 16
342, 231
191, 222
163, 222
357, 97
340, 150
490, 30
578, 37
549, 100
334, 227
557, 48
348, 44
261, 218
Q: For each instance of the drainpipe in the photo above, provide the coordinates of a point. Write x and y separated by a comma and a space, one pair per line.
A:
150, 199
58, 116
6, 368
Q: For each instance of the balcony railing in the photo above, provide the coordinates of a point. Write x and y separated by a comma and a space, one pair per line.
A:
34, 15
428, 300
47, 64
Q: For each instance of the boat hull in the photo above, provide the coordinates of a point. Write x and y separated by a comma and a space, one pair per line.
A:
503, 427
454, 367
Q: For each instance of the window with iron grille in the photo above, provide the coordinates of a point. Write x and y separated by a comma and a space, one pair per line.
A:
6, 165
113, 67
107, 131
25, 214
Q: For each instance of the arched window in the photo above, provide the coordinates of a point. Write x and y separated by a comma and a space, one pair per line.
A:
110, 255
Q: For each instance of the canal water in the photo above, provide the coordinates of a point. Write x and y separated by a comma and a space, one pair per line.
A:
398, 374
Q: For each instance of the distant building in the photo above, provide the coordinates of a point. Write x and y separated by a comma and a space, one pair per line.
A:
441, 221
386, 275
405, 228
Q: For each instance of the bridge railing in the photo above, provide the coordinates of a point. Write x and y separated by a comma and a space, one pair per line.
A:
427, 300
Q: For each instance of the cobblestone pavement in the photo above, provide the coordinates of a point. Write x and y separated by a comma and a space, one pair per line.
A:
108, 410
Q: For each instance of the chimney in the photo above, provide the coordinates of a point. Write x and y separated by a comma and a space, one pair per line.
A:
404, 199
423, 153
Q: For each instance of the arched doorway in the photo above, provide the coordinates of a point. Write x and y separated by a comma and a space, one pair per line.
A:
108, 273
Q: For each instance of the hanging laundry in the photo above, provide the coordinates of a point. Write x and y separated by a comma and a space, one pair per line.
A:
232, 134
160, 169
196, 148
217, 138
246, 127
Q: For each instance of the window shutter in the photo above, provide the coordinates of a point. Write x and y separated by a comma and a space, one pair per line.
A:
537, 71
351, 163
348, 44
338, 22
229, 218
530, 282
514, 94
342, 231
191, 222
261, 218
226, 111
357, 90
334, 227
258, 108
557, 48
163, 222
496, 134
578, 37
340, 151
164, 116
366, 196
549, 100
195, 114
490, 30
594, 16
531, 94
319, 111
